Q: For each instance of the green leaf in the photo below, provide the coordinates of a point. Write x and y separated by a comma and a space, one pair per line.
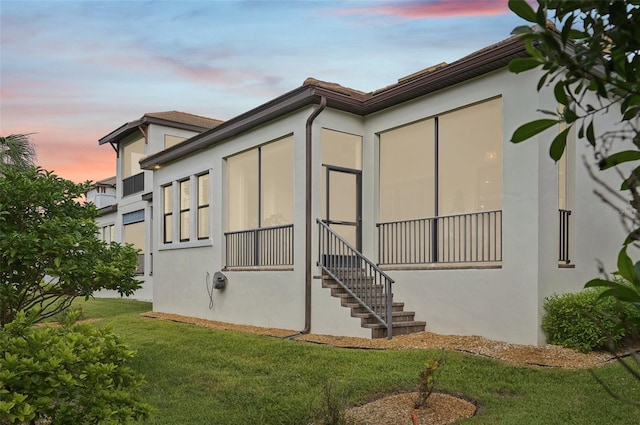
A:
598, 283
622, 293
625, 266
591, 137
523, 10
569, 115
632, 180
522, 29
560, 94
619, 158
566, 29
557, 146
523, 64
530, 129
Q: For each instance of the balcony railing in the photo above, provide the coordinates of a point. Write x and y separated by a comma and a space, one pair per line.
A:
140, 266
461, 238
563, 248
267, 246
133, 184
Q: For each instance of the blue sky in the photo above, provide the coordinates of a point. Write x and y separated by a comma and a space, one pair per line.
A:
73, 71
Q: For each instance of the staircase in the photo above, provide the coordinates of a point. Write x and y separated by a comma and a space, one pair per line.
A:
362, 287
403, 322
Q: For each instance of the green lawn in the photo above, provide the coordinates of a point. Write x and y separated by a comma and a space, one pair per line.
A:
197, 375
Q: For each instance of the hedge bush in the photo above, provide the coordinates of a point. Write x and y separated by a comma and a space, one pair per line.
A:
68, 374
586, 322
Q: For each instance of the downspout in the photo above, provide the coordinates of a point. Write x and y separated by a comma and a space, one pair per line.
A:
308, 189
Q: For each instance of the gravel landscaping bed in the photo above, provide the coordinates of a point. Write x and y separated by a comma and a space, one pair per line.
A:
532, 355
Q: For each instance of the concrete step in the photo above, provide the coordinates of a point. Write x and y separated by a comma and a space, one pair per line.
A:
402, 328
398, 317
357, 308
403, 321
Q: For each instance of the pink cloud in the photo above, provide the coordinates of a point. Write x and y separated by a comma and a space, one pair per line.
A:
71, 153
433, 9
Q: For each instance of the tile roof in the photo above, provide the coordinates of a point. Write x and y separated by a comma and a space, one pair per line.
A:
109, 181
185, 118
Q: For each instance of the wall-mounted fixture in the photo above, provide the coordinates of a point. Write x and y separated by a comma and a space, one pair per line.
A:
219, 280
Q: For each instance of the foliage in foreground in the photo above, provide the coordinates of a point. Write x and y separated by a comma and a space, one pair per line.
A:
585, 321
17, 151
589, 54
69, 374
49, 252
592, 61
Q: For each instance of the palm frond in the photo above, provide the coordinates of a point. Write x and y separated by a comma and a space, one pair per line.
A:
17, 150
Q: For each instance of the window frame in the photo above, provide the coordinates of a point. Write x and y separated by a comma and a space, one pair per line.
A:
167, 213
202, 206
184, 212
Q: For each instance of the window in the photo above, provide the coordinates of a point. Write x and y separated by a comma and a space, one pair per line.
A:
441, 188
167, 212
260, 206
260, 186
470, 159
407, 172
107, 233
185, 187
132, 174
203, 206
188, 213
132, 153
170, 140
134, 233
563, 206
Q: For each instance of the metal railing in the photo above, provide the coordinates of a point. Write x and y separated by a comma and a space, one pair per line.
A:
461, 238
359, 276
133, 184
563, 248
266, 246
140, 265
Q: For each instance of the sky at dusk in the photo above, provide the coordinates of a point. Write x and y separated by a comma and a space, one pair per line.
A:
73, 71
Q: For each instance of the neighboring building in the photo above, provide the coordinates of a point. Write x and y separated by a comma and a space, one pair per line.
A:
103, 193
420, 177
125, 201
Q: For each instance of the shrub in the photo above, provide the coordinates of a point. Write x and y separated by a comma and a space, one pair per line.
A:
426, 381
66, 374
585, 322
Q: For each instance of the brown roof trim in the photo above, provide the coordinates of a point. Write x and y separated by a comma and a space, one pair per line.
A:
129, 128
280, 106
488, 59
108, 209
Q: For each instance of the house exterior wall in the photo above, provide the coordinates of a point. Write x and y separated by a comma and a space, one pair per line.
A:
502, 301
155, 142
253, 296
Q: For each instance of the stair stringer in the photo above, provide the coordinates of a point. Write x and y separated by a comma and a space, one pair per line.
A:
329, 317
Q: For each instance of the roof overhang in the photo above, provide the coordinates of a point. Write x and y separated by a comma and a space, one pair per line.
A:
125, 130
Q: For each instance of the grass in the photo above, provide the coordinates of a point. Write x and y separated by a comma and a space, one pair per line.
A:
197, 375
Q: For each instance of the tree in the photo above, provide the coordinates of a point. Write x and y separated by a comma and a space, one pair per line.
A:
589, 51
49, 250
17, 150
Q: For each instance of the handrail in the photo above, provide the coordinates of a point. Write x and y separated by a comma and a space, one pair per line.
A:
457, 238
265, 246
356, 274
563, 245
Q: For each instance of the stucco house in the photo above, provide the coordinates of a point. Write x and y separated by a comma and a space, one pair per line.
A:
327, 208
125, 201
